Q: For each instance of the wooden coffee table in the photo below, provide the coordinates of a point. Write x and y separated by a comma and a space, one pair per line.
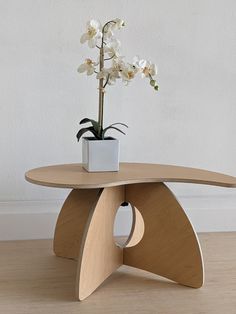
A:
162, 239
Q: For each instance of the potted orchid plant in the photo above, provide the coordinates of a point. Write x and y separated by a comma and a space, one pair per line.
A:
101, 152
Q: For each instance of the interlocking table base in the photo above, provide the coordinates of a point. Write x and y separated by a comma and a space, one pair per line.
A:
162, 239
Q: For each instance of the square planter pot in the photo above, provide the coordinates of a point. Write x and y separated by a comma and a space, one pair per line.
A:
100, 155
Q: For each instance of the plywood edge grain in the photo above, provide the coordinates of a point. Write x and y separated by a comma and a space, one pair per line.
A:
73, 176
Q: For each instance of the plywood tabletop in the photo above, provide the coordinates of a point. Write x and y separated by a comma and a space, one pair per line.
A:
74, 176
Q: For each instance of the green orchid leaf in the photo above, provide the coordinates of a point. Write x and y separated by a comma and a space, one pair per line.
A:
84, 130
93, 122
110, 127
120, 124
85, 120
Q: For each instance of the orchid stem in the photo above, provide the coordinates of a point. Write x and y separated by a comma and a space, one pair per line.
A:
109, 58
108, 76
101, 82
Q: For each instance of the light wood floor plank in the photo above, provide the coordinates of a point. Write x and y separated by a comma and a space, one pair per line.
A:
33, 280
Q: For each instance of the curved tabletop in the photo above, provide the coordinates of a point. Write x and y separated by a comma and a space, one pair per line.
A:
74, 176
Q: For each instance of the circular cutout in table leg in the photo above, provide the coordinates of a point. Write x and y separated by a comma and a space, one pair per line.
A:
123, 224
131, 221
137, 230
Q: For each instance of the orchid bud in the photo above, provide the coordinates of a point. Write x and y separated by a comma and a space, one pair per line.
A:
152, 83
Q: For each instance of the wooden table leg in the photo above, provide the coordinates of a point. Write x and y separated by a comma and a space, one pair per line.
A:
162, 239
99, 256
84, 231
72, 220
169, 245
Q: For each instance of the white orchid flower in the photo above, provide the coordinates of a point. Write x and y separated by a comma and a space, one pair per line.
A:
139, 63
111, 52
115, 70
103, 74
149, 69
118, 64
88, 66
114, 74
112, 79
112, 26
112, 47
93, 33
118, 24
146, 68
128, 73
110, 74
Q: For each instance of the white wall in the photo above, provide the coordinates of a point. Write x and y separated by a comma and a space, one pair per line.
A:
191, 121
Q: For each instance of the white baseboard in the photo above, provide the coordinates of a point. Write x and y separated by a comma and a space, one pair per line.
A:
37, 219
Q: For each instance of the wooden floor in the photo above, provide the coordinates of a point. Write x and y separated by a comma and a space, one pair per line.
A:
33, 280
